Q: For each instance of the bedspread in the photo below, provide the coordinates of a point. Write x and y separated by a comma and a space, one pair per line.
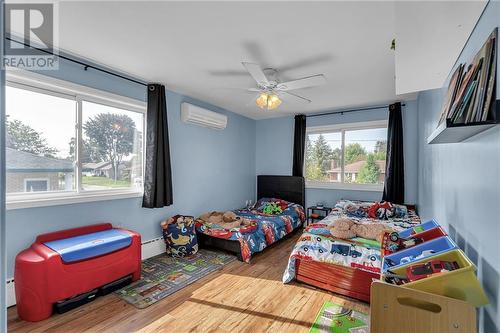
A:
317, 244
264, 229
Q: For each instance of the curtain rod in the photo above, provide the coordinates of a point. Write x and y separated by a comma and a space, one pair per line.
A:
85, 65
350, 110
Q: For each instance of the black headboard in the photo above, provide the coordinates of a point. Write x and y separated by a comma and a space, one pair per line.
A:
289, 188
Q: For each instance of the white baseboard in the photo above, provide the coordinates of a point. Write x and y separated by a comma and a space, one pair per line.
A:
150, 248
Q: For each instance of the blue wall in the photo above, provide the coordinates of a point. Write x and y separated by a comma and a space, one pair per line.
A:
211, 170
3, 236
274, 151
459, 183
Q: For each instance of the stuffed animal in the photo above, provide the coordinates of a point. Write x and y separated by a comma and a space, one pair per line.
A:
229, 217
211, 217
371, 231
272, 208
345, 228
341, 228
381, 210
227, 220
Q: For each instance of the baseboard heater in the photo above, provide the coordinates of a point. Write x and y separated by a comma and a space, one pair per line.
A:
74, 302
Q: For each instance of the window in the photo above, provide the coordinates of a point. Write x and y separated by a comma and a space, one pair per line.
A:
112, 147
70, 143
350, 156
36, 185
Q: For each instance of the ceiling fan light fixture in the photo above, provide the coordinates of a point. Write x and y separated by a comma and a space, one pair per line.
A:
268, 101
273, 102
261, 101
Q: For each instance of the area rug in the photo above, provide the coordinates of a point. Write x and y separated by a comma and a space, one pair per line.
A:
340, 319
163, 275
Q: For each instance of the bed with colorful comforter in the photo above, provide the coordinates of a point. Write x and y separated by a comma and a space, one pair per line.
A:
264, 229
345, 266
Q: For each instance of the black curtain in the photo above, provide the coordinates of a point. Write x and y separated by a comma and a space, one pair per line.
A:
158, 173
394, 186
299, 142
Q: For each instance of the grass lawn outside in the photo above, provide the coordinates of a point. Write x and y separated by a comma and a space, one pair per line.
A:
104, 181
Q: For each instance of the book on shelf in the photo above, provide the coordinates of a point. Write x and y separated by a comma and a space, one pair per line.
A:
464, 89
485, 53
452, 92
471, 91
490, 91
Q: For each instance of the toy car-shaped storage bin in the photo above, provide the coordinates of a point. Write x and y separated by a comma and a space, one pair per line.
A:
459, 284
420, 251
424, 230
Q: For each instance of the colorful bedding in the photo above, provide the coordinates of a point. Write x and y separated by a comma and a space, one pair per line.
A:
264, 229
317, 244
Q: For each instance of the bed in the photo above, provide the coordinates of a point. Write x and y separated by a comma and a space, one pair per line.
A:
346, 267
264, 229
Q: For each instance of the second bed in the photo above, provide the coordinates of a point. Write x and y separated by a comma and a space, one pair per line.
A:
346, 267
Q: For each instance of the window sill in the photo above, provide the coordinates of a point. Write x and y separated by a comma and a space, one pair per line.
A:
344, 186
56, 199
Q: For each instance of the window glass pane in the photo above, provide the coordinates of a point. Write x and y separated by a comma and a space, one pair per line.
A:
112, 147
36, 185
40, 128
365, 156
323, 157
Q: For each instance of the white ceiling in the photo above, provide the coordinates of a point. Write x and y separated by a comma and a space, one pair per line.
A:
430, 36
196, 48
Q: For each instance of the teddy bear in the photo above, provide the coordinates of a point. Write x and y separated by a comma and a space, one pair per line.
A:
211, 217
341, 228
227, 220
373, 231
345, 228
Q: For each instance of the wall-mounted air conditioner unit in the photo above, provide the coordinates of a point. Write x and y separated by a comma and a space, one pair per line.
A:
196, 115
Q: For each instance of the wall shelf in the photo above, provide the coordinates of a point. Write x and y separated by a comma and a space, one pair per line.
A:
448, 132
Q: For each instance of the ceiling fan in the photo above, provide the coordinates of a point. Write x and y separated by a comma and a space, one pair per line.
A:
270, 88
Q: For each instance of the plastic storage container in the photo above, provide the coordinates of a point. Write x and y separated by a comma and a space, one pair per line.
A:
438, 246
459, 284
431, 224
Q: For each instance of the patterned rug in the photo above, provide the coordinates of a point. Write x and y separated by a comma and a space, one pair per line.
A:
163, 275
335, 318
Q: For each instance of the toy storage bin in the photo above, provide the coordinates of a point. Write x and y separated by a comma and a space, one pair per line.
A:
431, 224
179, 235
430, 234
438, 245
459, 284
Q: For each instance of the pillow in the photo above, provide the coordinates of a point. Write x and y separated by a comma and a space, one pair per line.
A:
385, 210
400, 211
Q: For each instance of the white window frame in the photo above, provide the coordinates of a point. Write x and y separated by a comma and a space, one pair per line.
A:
60, 88
46, 180
342, 128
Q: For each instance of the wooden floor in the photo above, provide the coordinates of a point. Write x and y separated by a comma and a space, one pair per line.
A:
239, 298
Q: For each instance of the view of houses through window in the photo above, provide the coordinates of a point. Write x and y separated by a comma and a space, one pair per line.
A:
41, 153
346, 155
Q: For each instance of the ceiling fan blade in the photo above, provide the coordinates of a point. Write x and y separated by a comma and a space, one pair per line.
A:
239, 89
256, 72
310, 81
294, 97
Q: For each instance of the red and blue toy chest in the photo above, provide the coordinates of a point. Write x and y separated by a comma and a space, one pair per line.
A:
67, 263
